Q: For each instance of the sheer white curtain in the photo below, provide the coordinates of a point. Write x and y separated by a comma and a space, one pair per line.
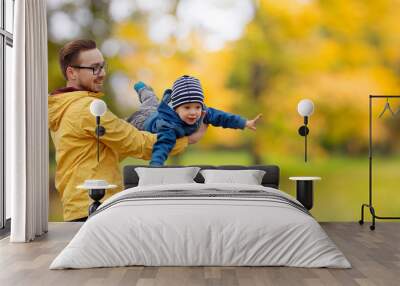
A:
27, 145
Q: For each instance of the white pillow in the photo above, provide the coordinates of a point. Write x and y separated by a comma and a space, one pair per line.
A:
166, 176
248, 177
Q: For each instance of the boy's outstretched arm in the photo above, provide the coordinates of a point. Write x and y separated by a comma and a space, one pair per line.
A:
228, 120
251, 124
166, 140
224, 119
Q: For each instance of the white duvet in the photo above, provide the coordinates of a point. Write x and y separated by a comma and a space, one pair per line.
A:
183, 231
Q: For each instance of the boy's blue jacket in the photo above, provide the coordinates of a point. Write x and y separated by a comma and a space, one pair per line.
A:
168, 126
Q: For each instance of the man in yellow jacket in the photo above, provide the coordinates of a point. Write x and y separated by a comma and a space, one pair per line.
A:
72, 129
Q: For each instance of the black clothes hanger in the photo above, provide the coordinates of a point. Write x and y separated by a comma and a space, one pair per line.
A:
387, 107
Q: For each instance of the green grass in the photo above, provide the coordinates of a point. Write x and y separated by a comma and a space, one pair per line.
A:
340, 193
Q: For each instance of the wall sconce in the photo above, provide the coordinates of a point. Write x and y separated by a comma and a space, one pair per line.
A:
305, 108
98, 108
97, 188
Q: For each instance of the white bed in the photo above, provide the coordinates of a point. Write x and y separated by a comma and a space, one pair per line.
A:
250, 225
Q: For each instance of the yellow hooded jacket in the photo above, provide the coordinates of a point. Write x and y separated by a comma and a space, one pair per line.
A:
72, 129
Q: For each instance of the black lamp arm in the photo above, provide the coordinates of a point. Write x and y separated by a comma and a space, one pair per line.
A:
303, 131
100, 131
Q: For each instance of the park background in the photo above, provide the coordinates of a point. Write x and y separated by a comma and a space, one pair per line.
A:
259, 57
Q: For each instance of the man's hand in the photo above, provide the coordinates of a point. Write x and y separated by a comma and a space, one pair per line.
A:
251, 124
195, 137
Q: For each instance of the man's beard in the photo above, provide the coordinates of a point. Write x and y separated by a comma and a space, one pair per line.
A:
90, 87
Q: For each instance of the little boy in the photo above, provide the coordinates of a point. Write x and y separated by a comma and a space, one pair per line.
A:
179, 114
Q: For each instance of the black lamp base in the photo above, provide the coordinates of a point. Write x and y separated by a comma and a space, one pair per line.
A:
303, 130
100, 130
304, 193
96, 195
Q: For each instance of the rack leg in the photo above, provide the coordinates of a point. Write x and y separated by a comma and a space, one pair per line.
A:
361, 221
372, 210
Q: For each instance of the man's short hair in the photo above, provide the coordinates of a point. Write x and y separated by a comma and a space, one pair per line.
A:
70, 52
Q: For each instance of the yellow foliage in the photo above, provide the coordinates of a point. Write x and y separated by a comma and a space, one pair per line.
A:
333, 52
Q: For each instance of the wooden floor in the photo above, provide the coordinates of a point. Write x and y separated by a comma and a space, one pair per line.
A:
374, 255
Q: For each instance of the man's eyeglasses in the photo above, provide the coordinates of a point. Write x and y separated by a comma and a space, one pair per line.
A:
96, 69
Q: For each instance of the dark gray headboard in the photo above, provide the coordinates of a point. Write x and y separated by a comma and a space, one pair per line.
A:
270, 179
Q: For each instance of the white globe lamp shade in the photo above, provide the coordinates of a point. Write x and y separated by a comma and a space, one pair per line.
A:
305, 107
98, 107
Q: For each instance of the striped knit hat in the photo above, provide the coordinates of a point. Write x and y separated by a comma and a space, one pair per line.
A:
186, 89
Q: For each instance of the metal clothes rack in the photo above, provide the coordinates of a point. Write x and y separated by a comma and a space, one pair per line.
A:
370, 206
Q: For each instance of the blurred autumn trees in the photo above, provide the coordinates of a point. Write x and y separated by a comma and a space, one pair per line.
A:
334, 52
